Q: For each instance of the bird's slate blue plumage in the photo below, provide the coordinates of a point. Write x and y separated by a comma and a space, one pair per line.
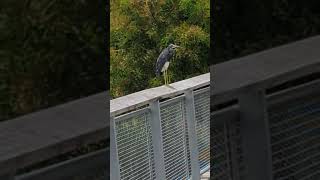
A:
164, 56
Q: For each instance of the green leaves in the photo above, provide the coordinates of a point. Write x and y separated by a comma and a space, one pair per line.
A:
53, 51
140, 30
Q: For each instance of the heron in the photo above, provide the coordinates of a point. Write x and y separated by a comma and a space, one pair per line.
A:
163, 61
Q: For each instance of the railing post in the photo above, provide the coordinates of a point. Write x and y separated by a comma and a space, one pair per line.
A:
157, 140
255, 134
231, 128
193, 143
114, 160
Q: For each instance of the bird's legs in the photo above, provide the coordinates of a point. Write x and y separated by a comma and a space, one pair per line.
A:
164, 76
168, 79
165, 72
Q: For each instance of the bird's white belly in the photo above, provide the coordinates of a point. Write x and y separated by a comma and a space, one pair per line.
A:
165, 66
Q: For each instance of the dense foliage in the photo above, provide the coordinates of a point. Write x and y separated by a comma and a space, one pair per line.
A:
52, 51
243, 27
141, 29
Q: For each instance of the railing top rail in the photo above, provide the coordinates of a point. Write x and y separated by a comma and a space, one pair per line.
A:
47, 133
132, 101
267, 68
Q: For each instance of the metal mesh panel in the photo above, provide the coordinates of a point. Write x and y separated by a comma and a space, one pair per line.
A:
174, 139
226, 150
221, 162
238, 154
202, 115
134, 145
187, 144
295, 138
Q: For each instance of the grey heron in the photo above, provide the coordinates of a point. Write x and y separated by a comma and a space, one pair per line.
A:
163, 61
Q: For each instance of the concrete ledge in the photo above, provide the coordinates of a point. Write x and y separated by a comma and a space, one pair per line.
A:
141, 98
41, 135
266, 69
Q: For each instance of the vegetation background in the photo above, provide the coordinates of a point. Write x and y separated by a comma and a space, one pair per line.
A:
243, 27
140, 30
51, 51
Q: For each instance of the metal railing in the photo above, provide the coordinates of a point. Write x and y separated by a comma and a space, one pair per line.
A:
68, 141
162, 133
266, 115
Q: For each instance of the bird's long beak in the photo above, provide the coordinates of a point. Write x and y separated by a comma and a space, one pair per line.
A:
175, 46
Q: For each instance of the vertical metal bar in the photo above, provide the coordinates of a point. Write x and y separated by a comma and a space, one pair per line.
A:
231, 125
227, 147
157, 140
193, 143
114, 159
255, 134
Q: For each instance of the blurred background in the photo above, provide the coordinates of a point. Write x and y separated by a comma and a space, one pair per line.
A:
51, 52
243, 27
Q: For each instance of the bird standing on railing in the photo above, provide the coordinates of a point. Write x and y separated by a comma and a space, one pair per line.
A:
163, 62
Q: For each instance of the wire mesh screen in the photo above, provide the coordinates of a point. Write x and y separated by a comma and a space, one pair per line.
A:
173, 124
202, 116
134, 145
236, 143
221, 162
226, 151
295, 138
187, 143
